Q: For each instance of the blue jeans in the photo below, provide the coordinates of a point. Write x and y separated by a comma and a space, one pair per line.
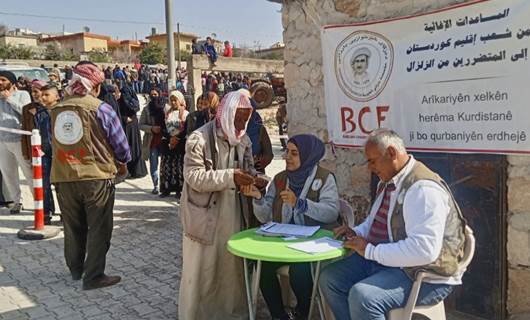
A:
49, 205
154, 157
356, 288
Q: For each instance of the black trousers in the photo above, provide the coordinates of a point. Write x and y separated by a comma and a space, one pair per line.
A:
87, 212
300, 280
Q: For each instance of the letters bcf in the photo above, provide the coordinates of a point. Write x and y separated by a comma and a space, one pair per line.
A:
348, 118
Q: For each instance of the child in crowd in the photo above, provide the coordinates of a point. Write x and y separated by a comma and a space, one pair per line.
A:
49, 98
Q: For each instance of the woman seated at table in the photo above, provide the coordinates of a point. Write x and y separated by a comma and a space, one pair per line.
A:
303, 194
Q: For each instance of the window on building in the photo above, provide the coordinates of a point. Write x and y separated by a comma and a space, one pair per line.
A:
188, 47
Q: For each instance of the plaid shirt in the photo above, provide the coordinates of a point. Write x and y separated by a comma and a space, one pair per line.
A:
111, 124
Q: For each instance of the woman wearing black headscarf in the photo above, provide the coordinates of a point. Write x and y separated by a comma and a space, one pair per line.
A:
129, 106
303, 194
152, 122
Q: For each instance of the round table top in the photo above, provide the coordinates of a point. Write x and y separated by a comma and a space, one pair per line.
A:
248, 244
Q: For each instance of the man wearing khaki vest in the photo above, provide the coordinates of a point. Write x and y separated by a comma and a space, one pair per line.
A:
414, 224
88, 145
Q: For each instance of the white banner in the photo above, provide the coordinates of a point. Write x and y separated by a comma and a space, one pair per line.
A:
454, 80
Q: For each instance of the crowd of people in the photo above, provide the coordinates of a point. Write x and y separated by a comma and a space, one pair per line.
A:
213, 159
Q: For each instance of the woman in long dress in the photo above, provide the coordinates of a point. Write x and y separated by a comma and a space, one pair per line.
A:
129, 106
172, 147
218, 160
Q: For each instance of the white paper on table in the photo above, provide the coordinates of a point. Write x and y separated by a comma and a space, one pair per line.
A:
284, 229
321, 245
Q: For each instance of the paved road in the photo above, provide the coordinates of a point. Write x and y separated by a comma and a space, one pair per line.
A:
146, 251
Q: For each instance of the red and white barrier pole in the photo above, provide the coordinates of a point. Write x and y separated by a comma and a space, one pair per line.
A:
36, 153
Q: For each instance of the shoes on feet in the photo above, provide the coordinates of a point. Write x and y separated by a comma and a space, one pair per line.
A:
101, 282
155, 191
76, 275
15, 209
164, 194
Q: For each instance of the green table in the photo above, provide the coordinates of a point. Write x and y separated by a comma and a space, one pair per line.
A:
251, 246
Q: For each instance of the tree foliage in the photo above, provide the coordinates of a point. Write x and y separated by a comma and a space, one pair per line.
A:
14, 52
152, 54
98, 56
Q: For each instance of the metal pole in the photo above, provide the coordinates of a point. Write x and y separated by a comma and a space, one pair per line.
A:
178, 45
170, 45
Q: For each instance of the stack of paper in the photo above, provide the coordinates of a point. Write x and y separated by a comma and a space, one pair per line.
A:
321, 245
286, 230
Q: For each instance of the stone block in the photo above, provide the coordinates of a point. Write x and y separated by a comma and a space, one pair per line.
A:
518, 160
518, 245
349, 7
518, 291
518, 199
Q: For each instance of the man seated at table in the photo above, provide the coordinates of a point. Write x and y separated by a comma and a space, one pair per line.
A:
414, 224
304, 194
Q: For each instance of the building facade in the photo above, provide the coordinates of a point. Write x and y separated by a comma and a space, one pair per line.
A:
185, 40
491, 189
80, 43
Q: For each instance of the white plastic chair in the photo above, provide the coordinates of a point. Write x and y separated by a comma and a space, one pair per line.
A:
434, 312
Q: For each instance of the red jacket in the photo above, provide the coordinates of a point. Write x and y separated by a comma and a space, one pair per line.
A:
228, 52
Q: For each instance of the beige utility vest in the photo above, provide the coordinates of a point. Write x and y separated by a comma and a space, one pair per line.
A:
453, 239
280, 182
80, 147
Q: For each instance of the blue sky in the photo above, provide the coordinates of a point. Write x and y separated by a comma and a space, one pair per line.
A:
245, 22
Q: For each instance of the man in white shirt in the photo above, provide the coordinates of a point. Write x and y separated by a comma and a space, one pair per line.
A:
11, 103
414, 224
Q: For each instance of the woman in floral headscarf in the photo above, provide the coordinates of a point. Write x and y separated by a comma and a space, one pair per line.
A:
173, 143
217, 162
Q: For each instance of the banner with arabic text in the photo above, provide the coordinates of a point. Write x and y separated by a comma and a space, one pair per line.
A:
454, 80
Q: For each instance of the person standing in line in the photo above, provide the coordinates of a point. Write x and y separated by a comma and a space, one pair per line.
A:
218, 160
11, 103
49, 98
129, 107
89, 149
28, 117
171, 177
152, 123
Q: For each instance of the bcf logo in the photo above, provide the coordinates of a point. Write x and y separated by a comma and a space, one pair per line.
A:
366, 119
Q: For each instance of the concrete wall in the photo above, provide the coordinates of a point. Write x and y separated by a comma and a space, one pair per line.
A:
18, 41
199, 63
302, 22
90, 44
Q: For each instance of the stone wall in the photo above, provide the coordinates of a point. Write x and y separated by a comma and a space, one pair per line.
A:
519, 235
302, 22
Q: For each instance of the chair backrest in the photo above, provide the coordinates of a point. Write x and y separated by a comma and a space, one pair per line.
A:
346, 213
469, 249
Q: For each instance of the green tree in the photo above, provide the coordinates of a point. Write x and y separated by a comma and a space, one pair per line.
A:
68, 55
98, 56
184, 55
23, 53
4, 52
52, 52
152, 54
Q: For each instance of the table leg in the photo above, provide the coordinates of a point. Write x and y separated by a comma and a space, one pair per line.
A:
316, 276
251, 313
255, 285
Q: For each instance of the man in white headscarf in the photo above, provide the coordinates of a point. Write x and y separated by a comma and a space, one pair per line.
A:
218, 160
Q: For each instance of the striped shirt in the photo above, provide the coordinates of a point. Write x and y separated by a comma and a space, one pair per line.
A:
111, 124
